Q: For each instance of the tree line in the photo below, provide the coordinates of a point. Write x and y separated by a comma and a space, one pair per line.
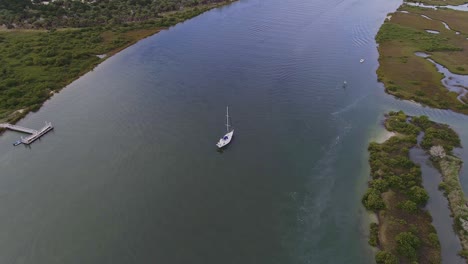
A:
40, 14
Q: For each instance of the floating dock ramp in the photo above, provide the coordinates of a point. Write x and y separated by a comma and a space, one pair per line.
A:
35, 134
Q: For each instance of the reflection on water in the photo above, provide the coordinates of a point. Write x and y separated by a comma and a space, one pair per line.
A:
432, 31
446, 25
426, 17
453, 82
422, 54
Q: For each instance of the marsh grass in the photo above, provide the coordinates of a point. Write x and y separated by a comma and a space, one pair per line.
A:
409, 77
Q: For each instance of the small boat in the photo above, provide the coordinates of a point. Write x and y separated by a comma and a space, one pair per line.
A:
17, 143
361, 60
226, 139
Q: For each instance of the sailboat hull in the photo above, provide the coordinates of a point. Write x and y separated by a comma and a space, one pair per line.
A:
225, 140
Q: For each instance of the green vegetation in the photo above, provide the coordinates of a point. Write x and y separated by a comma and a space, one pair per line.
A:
408, 206
397, 122
374, 235
422, 40
404, 232
383, 257
450, 167
410, 77
439, 141
464, 253
372, 200
395, 193
408, 245
440, 136
443, 137
87, 13
36, 63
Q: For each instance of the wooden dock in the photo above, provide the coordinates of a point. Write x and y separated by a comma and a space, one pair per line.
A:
34, 134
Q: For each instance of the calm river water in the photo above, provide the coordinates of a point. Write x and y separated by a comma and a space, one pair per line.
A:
131, 173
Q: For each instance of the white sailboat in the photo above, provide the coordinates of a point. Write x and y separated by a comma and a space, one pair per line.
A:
226, 139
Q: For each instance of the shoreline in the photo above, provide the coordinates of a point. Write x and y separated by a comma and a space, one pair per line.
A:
398, 47
449, 168
134, 34
386, 135
409, 77
399, 215
404, 231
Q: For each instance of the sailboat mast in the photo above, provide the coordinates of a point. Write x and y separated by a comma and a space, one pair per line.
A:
227, 118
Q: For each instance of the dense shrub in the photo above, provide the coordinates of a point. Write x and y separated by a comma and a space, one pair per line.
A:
408, 244
374, 235
397, 122
441, 135
372, 200
434, 240
408, 206
418, 195
396, 182
384, 257
422, 121
87, 13
381, 185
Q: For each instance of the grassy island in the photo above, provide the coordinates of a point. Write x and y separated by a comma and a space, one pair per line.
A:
405, 233
439, 141
408, 76
44, 47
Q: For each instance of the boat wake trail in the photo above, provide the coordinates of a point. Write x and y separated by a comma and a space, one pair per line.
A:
350, 106
315, 204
